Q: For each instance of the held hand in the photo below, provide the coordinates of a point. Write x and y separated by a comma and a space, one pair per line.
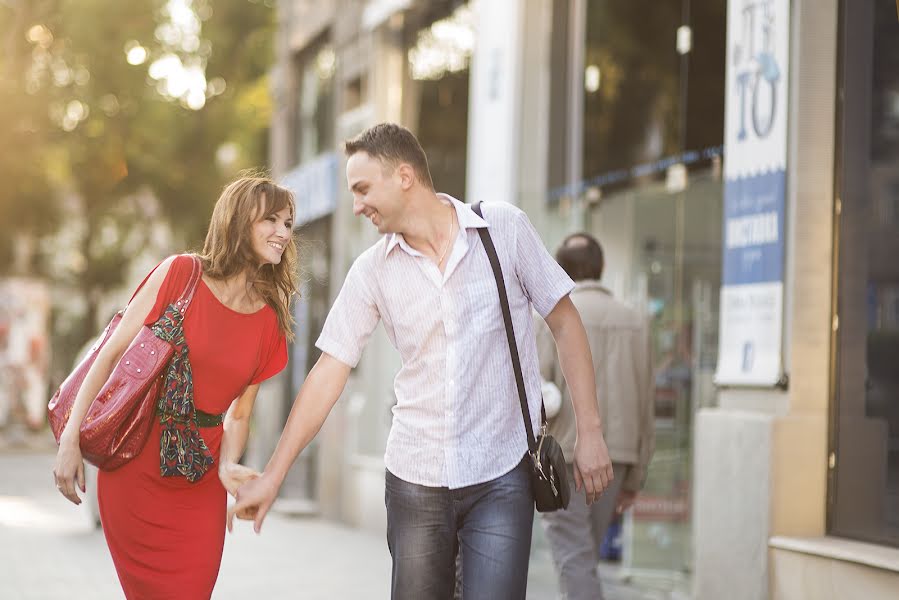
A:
254, 499
69, 470
233, 475
592, 465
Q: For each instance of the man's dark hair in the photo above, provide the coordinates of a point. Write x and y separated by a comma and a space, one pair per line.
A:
392, 144
581, 256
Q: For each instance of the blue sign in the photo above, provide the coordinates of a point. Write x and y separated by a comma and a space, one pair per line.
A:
314, 185
754, 229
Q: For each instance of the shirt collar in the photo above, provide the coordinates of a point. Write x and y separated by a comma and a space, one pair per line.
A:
467, 218
394, 240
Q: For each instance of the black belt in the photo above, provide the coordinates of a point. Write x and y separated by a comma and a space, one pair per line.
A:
205, 419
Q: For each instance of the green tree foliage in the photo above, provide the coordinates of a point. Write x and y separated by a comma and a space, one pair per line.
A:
26, 203
117, 115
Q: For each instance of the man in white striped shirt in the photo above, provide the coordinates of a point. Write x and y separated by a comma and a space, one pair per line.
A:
456, 474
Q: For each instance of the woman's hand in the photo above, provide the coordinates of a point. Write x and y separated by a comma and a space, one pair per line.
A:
233, 475
69, 469
254, 501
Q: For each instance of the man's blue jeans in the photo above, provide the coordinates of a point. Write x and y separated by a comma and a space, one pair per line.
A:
491, 521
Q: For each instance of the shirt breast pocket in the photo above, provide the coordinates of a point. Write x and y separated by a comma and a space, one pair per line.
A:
482, 308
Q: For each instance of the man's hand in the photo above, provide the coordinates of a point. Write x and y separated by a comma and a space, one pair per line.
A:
233, 475
592, 465
625, 501
254, 499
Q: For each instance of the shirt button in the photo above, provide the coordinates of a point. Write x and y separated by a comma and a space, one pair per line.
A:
451, 382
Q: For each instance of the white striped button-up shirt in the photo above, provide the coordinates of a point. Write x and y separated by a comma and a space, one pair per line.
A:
457, 419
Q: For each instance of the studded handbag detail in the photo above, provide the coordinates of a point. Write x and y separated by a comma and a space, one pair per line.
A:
120, 418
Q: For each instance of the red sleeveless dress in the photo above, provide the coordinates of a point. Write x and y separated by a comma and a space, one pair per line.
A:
166, 534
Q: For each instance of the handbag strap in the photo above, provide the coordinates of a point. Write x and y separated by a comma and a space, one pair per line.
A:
188, 293
487, 241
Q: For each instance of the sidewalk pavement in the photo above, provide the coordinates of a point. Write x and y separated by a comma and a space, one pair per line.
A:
51, 549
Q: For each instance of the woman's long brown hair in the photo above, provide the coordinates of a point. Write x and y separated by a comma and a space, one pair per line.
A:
228, 249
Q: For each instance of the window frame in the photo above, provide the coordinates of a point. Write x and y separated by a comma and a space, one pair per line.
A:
853, 127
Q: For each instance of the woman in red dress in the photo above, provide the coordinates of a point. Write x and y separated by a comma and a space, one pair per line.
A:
163, 513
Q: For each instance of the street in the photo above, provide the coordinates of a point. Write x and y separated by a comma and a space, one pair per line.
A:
51, 549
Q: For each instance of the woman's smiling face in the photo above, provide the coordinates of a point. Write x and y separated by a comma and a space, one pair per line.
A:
271, 234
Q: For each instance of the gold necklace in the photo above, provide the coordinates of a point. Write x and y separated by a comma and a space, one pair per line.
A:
450, 237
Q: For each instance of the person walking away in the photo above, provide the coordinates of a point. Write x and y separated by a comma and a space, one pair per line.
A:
622, 363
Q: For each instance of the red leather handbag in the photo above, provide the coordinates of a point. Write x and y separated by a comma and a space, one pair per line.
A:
119, 420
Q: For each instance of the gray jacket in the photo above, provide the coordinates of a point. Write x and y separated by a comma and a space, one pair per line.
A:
622, 361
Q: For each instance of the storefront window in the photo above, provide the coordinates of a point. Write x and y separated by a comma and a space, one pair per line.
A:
864, 484
309, 310
653, 125
648, 93
663, 254
314, 111
648, 182
313, 135
440, 42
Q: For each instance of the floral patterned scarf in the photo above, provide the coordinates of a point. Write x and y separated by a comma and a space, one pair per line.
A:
181, 449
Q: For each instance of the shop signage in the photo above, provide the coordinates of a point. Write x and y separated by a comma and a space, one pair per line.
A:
755, 161
648, 507
314, 184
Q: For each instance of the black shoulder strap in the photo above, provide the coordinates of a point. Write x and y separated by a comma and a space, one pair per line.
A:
487, 241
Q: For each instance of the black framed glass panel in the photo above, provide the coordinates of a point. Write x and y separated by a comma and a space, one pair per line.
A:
652, 129
314, 113
439, 43
864, 483
653, 81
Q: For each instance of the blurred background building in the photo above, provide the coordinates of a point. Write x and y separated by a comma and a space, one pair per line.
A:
737, 160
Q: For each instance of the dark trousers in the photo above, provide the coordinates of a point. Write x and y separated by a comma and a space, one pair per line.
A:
491, 522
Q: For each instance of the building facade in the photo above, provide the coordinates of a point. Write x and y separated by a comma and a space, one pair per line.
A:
736, 160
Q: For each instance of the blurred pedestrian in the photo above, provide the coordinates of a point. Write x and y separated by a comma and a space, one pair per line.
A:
457, 472
163, 514
622, 361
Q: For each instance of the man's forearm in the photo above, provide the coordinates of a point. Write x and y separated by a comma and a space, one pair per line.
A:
592, 465
314, 402
576, 363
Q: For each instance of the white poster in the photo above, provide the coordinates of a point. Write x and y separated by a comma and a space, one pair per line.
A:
755, 163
